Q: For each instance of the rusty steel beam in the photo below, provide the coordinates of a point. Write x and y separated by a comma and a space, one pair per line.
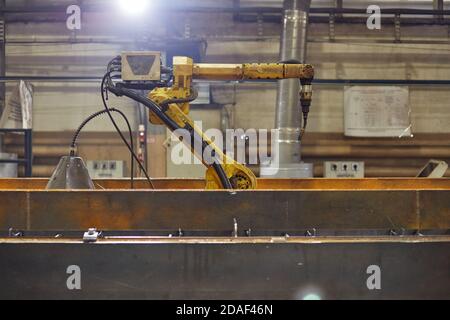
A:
282, 210
227, 269
263, 184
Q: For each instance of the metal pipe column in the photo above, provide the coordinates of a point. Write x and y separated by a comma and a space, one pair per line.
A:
288, 115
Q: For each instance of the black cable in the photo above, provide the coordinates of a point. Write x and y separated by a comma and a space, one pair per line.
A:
155, 108
226, 183
172, 125
106, 77
93, 116
192, 97
133, 154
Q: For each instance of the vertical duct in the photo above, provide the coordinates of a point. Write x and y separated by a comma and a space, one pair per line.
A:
292, 47
286, 162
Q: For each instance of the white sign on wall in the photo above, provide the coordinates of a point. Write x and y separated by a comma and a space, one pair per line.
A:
19, 107
377, 111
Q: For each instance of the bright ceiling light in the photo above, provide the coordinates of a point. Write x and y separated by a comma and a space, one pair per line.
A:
133, 7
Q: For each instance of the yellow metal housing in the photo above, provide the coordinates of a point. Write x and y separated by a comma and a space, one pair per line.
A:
184, 71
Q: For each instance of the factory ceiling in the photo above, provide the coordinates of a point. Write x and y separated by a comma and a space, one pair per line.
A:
39, 5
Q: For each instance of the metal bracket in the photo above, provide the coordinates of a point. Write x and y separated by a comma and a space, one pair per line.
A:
187, 28
400, 232
2, 31
235, 228
15, 233
91, 235
397, 28
331, 27
260, 22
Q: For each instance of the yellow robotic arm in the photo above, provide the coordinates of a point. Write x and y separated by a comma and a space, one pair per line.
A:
172, 103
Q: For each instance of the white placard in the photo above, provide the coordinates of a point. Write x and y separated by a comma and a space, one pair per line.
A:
18, 109
377, 111
8, 170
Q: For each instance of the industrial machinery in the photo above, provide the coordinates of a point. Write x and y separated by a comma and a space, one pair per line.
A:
168, 101
287, 239
282, 239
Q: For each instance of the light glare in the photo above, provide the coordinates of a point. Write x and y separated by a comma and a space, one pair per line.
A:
133, 7
312, 296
